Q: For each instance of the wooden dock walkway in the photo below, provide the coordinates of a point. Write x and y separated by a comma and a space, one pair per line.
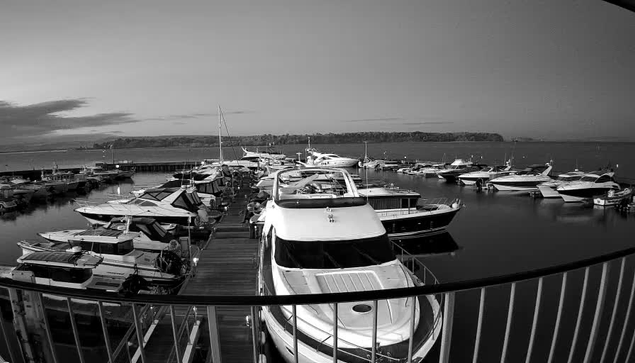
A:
227, 266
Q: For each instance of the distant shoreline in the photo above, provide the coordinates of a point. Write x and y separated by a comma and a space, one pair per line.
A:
92, 149
34, 151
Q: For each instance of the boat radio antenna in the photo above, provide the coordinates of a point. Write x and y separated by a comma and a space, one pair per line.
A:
220, 139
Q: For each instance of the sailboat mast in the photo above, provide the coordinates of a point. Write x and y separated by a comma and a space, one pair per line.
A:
220, 140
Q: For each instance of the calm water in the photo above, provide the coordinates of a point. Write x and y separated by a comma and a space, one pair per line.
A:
566, 156
497, 232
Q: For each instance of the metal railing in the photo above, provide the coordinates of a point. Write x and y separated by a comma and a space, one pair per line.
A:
573, 312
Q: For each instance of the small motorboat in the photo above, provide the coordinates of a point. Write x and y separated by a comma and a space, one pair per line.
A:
588, 187
120, 259
70, 270
147, 233
613, 197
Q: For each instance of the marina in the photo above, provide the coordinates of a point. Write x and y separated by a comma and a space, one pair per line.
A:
226, 268
403, 182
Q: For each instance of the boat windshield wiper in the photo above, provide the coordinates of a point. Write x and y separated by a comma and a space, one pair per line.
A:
335, 263
293, 259
369, 257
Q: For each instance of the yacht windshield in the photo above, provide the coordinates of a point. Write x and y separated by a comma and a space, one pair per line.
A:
589, 178
569, 177
156, 195
185, 202
153, 231
334, 254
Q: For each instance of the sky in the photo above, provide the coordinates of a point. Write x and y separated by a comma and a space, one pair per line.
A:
543, 69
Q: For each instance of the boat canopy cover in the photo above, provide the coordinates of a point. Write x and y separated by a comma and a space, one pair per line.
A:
61, 258
102, 232
158, 194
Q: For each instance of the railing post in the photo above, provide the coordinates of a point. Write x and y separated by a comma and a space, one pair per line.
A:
448, 321
104, 330
214, 338
78, 344
626, 318
580, 311
534, 324
44, 322
373, 356
3, 331
413, 311
296, 354
335, 326
618, 292
599, 307
479, 326
174, 334
563, 289
255, 329
508, 326
139, 333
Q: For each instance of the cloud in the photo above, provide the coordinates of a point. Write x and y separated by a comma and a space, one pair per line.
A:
191, 116
376, 119
429, 123
42, 119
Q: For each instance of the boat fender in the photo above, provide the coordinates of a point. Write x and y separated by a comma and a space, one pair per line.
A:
263, 338
202, 216
173, 245
262, 358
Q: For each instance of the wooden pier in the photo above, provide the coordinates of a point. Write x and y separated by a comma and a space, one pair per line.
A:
227, 266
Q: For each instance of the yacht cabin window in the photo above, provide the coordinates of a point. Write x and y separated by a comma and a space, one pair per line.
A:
604, 179
156, 195
121, 248
151, 230
56, 273
589, 178
333, 254
184, 202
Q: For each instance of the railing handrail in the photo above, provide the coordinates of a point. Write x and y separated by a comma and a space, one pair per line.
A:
304, 299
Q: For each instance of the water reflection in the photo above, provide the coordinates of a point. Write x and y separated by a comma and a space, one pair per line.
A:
100, 194
576, 213
440, 243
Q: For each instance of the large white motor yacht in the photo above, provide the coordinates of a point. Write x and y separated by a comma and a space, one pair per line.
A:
486, 174
257, 155
525, 180
331, 241
329, 160
166, 205
589, 186
403, 213
147, 233
548, 189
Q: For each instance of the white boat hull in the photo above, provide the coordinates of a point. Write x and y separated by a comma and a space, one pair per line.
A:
572, 199
283, 340
515, 188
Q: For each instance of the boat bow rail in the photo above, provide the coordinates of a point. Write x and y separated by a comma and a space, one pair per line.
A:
604, 275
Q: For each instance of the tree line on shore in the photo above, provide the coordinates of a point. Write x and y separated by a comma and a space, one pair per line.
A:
268, 139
